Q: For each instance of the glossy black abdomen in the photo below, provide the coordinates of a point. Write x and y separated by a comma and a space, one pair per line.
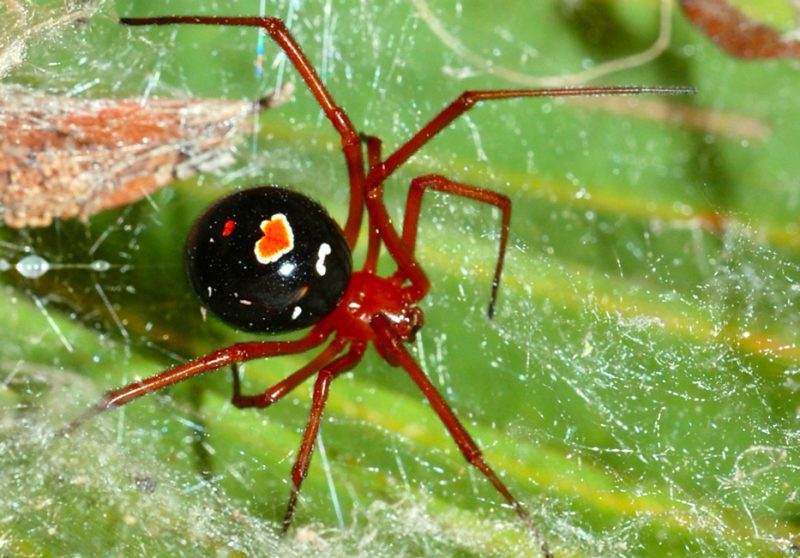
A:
268, 259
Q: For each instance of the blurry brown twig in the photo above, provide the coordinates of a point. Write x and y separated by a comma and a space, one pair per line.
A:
737, 34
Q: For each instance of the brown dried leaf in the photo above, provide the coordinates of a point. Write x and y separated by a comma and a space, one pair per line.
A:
62, 157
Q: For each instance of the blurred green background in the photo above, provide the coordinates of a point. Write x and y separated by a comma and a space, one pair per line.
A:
637, 389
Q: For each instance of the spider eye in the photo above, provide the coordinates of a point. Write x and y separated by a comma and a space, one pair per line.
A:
268, 259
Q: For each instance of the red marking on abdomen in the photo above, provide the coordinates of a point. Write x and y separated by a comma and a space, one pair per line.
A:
278, 239
227, 229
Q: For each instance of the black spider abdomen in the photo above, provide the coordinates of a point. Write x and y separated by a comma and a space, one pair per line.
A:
268, 259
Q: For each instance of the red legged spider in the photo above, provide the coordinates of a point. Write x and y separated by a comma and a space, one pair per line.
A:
271, 260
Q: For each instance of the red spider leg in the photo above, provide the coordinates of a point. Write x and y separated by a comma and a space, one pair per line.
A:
320, 398
414, 204
351, 144
277, 391
378, 174
469, 448
374, 241
239, 352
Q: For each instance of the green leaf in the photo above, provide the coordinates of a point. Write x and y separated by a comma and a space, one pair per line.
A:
637, 388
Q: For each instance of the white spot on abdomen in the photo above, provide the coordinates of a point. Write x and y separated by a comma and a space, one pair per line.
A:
324, 252
296, 312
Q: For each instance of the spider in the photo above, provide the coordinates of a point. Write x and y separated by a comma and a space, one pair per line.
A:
271, 260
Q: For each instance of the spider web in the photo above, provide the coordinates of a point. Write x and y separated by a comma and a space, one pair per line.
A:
637, 389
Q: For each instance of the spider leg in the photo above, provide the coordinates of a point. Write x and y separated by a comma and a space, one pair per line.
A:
469, 99
469, 448
320, 398
379, 173
351, 145
414, 203
239, 352
277, 391
374, 240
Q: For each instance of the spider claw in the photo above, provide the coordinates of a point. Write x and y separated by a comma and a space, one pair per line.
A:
76, 423
103, 404
287, 519
493, 299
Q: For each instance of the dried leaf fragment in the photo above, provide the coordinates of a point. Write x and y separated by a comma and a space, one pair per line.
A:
62, 157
